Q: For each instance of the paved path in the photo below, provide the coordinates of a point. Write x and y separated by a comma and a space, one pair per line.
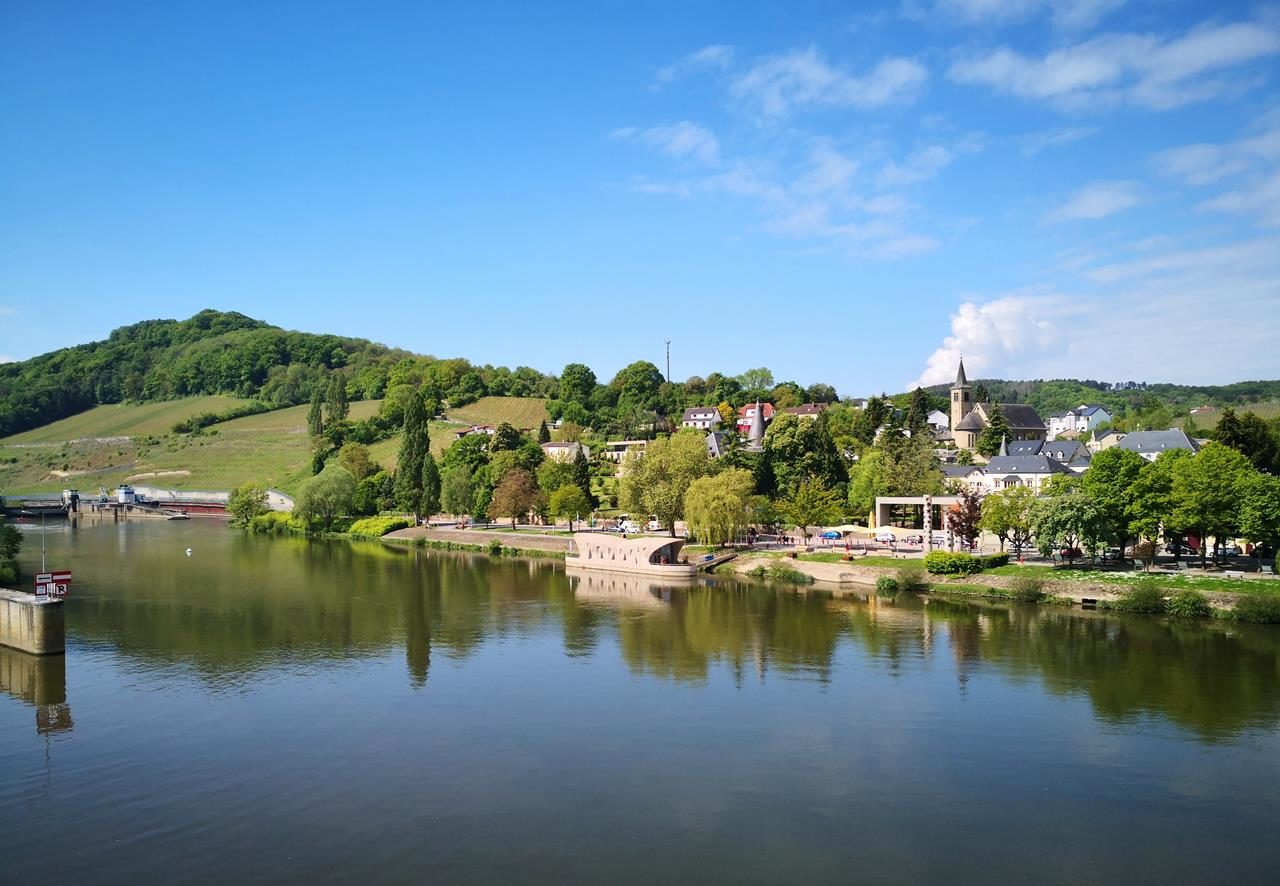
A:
533, 541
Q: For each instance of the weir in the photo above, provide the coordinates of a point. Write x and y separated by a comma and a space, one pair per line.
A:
32, 624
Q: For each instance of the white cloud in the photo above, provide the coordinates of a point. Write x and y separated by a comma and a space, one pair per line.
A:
1097, 200
1141, 69
779, 84
1072, 14
683, 139
992, 335
1035, 142
1131, 322
717, 57
1262, 199
1203, 164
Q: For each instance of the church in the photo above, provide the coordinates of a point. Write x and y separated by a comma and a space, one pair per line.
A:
968, 419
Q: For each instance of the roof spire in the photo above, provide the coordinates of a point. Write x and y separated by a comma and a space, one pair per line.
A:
1004, 449
961, 380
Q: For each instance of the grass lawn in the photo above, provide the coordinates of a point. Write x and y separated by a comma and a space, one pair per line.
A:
1162, 580
293, 418
125, 420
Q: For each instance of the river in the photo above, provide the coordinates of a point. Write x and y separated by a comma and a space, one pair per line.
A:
273, 710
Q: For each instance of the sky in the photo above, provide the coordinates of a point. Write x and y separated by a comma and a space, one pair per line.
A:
855, 194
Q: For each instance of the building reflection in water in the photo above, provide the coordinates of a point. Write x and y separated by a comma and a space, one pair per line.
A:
40, 681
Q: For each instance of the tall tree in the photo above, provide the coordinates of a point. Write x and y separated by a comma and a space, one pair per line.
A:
355, 458
315, 415
336, 407
1007, 515
810, 504
716, 507
1260, 509
414, 446
582, 475
908, 465
1109, 482
577, 384
756, 383
506, 438
980, 393
995, 433
569, 503
544, 433
246, 502
456, 493
1150, 507
1070, 521
1207, 489
1249, 435
655, 482
801, 449
918, 412
516, 495
964, 518
325, 497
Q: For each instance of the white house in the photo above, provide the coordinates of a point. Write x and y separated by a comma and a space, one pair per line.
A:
1149, 444
938, 420
564, 451
1079, 421
1013, 471
704, 418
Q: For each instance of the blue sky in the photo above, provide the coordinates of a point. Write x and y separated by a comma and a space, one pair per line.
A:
1080, 189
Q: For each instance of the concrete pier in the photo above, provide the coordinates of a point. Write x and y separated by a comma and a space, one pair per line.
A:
31, 624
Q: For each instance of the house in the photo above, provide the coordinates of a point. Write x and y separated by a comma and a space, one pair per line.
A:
704, 418
969, 419
969, 476
564, 451
1149, 444
1072, 453
1110, 438
747, 414
939, 421
717, 444
616, 450
808, 410
488, 430
1081, 420
857, 402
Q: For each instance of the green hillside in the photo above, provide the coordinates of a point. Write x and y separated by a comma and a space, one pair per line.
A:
520, 412
120, 420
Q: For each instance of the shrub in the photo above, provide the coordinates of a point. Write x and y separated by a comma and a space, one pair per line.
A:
911, 578
1025, 589
495, 549
994, 561
1258, 609
275, 523
886, 585
1186, 603
780, 572
1145, 597
945, 563
376, 527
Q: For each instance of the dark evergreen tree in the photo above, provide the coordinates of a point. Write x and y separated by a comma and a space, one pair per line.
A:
415, 445
582, 475
430, 487
918, 411
315, 415
505, 438
336, 407
980, 393
544, 434
995, 433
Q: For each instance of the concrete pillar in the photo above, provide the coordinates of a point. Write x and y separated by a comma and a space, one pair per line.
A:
32, 624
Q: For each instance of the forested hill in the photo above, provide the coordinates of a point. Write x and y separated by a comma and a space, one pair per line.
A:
211, 353
1122, 398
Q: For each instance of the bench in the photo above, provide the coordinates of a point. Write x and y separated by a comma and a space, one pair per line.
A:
1233, 574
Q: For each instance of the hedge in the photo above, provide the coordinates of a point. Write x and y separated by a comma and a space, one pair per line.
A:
376, 527
944, 563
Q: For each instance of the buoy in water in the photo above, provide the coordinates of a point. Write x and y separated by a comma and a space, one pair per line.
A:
188, 552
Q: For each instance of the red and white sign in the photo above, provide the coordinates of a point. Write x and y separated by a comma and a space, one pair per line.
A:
53, 585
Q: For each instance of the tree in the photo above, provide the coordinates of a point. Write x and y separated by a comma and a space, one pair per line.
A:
980, 393
810, 504
756, 383
964, 518
717, 507
544, 433
10, 544
430, 487
1109, 482
336, 407
801, 449
1007, 515
865, 484
908, 465
582, 475
1068, 520
1249, 435
506, 438
553, 473
569, 503
964, 457
456, 494
994, 434
821, 393
315, 415
1260, 509
355, 458
414, 446
516, 494
1207, 489
246, 502
1150, 506
374, 493
728, 416
655, 482
577, 383
326, 496
918, 412
637, 386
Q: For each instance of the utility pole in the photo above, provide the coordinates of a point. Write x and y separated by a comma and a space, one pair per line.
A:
668, 361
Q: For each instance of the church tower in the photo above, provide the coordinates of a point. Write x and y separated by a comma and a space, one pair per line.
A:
961, 397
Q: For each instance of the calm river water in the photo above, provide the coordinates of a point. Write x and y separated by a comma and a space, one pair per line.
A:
268, 710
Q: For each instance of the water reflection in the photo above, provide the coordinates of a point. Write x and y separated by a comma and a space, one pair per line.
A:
242, 607
40, 681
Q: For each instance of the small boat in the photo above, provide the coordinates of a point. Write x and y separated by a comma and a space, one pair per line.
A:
177, 517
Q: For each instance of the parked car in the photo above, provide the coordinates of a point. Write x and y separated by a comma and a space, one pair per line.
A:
886, 538
830, 534
1070, 553
653, 526
1232, 551
629, 526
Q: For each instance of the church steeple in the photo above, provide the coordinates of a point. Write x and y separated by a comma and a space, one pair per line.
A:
961, 397
1004, 448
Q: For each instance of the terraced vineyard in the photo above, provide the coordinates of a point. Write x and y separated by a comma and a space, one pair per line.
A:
125, 420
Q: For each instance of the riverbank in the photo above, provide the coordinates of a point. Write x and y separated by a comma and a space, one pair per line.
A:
493, 541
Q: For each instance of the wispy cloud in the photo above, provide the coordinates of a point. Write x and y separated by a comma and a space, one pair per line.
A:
1262, 200
1203, 164
1034, 142
921, 164
778, 85
1146, 70
716, 58
1067, 14
1096, 200
682, 139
